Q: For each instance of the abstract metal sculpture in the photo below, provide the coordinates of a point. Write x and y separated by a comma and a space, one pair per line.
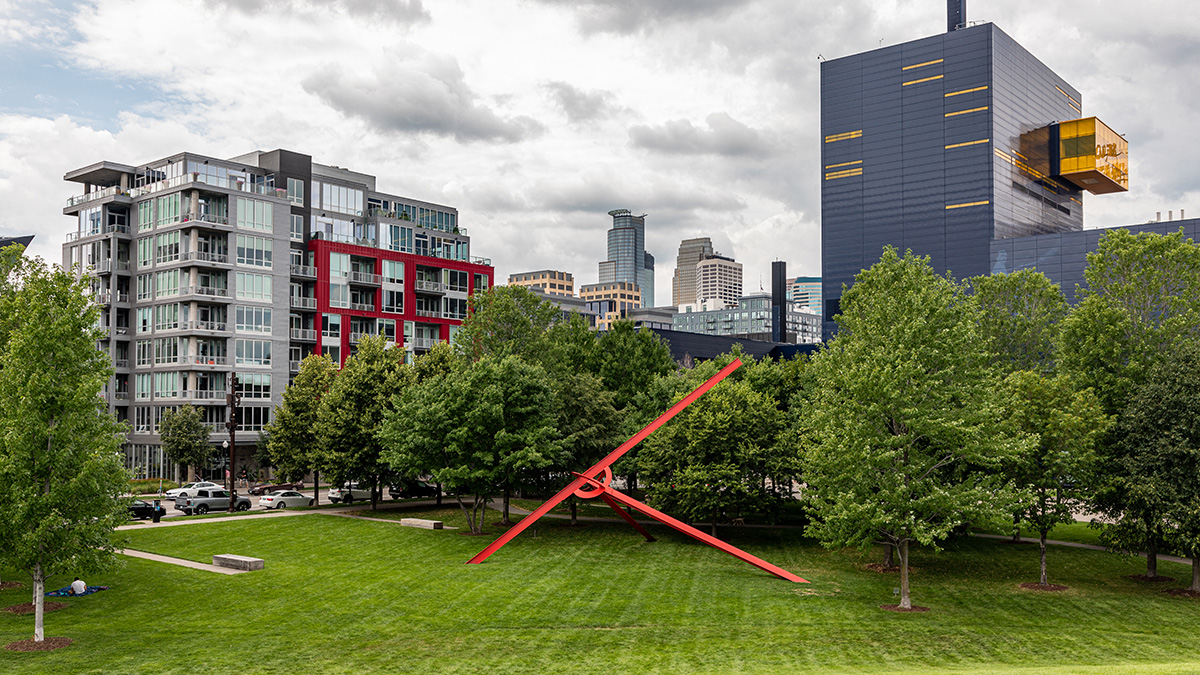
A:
595, 483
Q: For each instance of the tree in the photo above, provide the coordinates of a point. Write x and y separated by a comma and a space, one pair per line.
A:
294, 444
588, 427
503, 321
1019, 318
901, 429
478, 431
1159, 472
629, 360
721, 457
1063, 426
60, 449
353, 409
185, 437
571, 347
1142, 302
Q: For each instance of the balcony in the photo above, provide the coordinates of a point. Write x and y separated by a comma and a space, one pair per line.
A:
216, 326
114, 191
305, 271
206, 360
423, 342
206, 291
304, 334
188, 179
203, 394
476, 260
429, 286
366, 278
107, 266
294, 366
346, 239
362, 307
205, 256
210, 218
428, 313
121, 364
121, 396
304, 303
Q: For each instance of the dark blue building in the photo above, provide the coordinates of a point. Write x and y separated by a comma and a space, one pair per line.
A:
951, 146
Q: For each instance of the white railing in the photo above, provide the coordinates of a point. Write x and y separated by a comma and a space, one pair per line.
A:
308, 334
362, 307
231, 184
304, 271
205, 256
434, 286
294, 366
303, 303
204, 218
423, 342
203, 394
97, 194
203, 325
205, 290
366, 278
203, 360
428, 313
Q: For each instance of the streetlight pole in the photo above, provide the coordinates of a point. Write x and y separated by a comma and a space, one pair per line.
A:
232, 399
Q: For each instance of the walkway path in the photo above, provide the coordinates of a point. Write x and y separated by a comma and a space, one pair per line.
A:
1075, 544
177, 561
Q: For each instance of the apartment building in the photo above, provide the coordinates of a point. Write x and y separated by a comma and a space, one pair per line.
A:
550, 282
206, 267
719, 278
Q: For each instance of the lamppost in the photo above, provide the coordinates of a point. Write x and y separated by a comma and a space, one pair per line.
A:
232, 399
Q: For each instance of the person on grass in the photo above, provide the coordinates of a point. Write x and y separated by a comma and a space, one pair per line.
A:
78, 587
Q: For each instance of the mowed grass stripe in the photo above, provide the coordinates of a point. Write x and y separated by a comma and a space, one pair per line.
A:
361, 596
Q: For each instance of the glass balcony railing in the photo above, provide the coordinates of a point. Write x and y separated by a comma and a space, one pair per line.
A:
366, 278
304, 271
205, 256
118, 228
307, 334
97, 194
303, 303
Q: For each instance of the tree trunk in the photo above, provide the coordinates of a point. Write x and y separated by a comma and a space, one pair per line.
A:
1016, 528
1195, 587
482, 515
316, 488
507, 497
466, 514
889, 557
439, 494
905, 601
1152, 558
1044, 580
39, 597
712, 525
574, 512
374, 493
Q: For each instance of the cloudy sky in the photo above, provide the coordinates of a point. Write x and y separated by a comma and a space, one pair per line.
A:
536, 117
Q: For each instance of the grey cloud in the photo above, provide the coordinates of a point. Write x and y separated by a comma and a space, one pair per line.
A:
425, 95
724, 136
599, 194
582, 106
632, 16
405, 11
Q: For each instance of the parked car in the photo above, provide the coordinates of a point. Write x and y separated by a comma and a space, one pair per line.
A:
351, 493
413, 488
267, 488
142, 509
207, 500
281, 499
190, 489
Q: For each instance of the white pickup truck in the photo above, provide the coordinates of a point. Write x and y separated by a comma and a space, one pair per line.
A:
351, 493
206, 500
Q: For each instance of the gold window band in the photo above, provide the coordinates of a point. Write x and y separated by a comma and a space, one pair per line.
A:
963, 145
966, 204
843, 136
843, 174
964, 112
923, 79
834, 166
918, 65
965, 91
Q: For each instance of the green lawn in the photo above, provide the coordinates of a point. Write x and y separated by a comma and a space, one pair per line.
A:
1076, 532
341, 595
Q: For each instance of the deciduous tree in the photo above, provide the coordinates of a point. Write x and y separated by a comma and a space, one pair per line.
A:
185, 437
901, 427
294, 440
503, 321
1019, 318
60, 449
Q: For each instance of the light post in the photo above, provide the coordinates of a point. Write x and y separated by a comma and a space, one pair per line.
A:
232, 399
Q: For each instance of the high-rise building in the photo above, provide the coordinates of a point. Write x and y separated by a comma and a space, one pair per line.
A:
751, 317
806, 292
610, 301
207, 267
947, 144
627, 257
719, 278
550, 282
12, 241
683, 284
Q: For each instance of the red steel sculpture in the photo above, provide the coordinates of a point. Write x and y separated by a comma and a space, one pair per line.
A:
595, 483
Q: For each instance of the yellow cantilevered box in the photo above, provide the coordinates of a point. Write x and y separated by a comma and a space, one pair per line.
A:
1091, 155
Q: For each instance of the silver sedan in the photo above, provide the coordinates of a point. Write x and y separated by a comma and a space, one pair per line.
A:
281, 499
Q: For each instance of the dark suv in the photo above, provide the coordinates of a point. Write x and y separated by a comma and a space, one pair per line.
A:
412, 488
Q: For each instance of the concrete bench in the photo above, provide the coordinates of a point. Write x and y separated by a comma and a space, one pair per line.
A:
421, 522
238, 562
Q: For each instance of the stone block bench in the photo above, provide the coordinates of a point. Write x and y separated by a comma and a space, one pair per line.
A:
238, 562
421, 522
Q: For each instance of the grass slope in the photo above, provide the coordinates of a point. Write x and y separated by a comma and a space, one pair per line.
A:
344, 595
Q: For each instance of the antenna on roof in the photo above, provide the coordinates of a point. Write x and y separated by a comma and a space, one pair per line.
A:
956, 15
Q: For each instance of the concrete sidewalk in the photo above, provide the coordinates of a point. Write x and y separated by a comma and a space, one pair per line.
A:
178, 561
1075, 544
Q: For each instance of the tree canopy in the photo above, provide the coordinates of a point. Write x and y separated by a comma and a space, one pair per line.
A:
294, 441
185, 437
1019, 318
504, 321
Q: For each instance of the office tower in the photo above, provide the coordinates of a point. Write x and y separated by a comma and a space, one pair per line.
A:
683, 284
550, 282
646, 280
806, 292
206, 267
627, 253
719, 278
610, 301
945, 144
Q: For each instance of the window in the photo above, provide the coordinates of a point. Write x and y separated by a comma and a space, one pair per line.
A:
455, 280
165, 283
295, 191
169, 209
253, 286
166, 247
145, 316
331, 325
393, 271
142, 416
253, 319
254, 214
144, 289
254, 251
143, 385
340, 198
254, 385
399, 238
339, 264
252, 353
145, 247
253, 418
339, 295
455, 308
387, 328
166, 350
393, 301
145, 215
166, 317
481, 282
145, 354
297, 226
166, 385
